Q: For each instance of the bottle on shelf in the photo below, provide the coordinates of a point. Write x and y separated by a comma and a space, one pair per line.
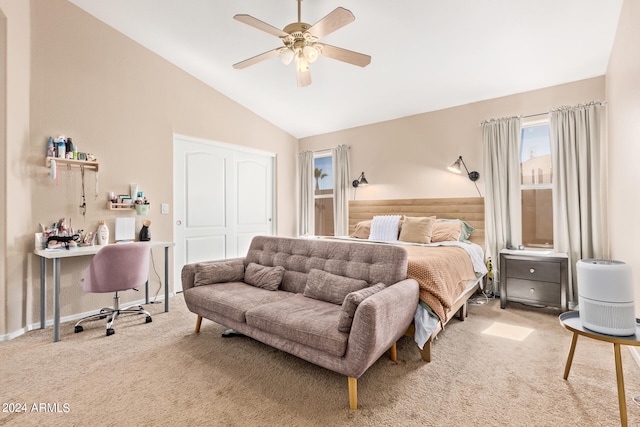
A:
103, 233
62, 147
69, 148
51, 150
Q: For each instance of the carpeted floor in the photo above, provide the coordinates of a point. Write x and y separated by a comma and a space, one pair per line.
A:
162, 373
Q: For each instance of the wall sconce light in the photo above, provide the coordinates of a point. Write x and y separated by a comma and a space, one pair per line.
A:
455, 168
360, 182
473, 175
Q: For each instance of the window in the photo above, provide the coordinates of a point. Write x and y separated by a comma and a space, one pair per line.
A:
323, 194
536, 175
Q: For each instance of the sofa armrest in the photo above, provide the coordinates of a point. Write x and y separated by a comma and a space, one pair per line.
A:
188, 272
379, 322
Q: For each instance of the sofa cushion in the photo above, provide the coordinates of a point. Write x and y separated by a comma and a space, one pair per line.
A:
264, 277
231, 299
351, 303
331, 287
373, 263
211, 272
302, 320
294, 281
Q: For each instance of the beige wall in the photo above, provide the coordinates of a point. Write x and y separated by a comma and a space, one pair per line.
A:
3, 159
17, 197
122, 103
623, 96
408, 157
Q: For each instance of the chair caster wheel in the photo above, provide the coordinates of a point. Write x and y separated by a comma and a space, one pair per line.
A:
77, 329
110, 331
148, 319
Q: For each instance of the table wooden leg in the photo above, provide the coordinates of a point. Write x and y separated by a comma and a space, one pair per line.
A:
567, 367
620, 378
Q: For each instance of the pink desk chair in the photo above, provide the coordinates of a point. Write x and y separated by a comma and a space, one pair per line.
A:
116, 268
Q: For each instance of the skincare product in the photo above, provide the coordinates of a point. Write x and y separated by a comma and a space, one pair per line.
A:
103, 233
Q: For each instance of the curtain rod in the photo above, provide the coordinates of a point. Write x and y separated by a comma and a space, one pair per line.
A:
534, 115
522, 117
327, 150
548, 112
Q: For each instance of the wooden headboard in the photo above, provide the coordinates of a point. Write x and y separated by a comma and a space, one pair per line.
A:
469, 209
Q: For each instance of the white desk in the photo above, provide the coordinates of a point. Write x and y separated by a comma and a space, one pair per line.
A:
57, 254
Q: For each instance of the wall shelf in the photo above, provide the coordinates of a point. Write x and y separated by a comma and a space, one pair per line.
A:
73, 163
121, 206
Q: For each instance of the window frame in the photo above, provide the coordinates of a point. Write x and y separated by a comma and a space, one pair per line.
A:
316, 197
318, 155
536, 186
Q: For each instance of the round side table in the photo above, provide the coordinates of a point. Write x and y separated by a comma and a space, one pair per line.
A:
571, 321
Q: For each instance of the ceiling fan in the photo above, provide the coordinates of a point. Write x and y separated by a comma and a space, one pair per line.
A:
301, 43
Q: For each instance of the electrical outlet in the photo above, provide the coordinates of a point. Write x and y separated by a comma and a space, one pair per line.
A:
165, 208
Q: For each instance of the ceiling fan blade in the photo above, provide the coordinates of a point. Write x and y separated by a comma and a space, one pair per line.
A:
332, 22
260, 25
303, 77
345, 55
258, 58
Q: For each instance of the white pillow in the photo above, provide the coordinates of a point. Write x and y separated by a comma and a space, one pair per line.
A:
384, 228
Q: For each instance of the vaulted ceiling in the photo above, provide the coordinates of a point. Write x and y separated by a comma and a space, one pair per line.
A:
426, 54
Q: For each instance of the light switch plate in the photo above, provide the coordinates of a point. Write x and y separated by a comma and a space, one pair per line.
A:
165, 208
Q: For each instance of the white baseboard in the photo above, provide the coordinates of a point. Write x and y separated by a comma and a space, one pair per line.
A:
70, 318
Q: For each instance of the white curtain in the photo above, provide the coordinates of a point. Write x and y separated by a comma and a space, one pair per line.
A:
306, 207
579, 185
341, 181
502, 203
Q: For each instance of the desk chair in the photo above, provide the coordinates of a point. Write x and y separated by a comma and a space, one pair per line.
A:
116, 268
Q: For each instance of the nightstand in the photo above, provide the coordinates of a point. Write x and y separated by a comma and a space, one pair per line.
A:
533, 277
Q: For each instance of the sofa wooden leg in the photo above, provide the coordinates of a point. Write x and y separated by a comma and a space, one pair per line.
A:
198, 323
393, 353
353, 393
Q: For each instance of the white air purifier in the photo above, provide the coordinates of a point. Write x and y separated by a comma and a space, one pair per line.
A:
605, 294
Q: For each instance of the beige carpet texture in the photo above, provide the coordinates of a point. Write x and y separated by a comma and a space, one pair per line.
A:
163, 374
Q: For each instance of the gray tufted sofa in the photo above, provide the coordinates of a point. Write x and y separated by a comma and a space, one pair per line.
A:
339, 305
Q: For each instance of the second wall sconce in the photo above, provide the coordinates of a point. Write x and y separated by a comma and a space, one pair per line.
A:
473, 175
360, 182
455, 168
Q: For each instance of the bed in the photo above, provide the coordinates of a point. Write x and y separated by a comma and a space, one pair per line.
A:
449, 272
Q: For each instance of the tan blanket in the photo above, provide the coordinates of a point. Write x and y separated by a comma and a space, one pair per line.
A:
442, 273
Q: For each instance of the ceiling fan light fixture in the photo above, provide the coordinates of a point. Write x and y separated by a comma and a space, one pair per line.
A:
310, 53
286, 55
300, 39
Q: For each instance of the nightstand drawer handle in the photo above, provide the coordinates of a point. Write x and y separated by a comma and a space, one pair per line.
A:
532, 290
532, 270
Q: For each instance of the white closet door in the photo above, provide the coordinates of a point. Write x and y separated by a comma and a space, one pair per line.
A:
223, 197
